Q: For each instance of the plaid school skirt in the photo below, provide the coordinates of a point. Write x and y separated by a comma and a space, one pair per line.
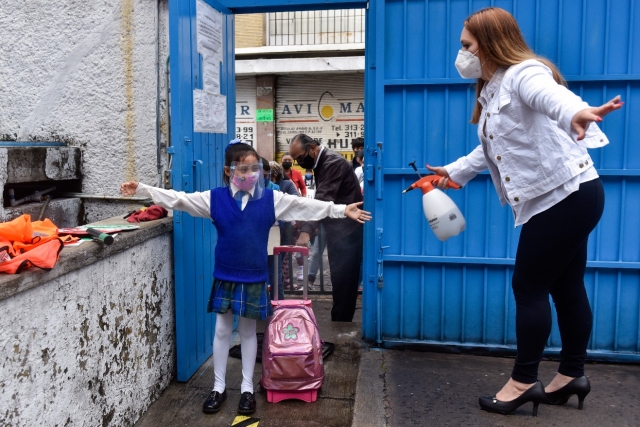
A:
248, 300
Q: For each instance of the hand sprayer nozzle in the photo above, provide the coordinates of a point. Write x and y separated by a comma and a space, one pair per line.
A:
409, 188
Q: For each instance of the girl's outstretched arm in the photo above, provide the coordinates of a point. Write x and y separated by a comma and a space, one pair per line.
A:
196, 204
292, 208
352, 211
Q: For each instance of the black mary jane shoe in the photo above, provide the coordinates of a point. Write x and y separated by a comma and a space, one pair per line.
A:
534, 394
247, 404
579, 386
214, 402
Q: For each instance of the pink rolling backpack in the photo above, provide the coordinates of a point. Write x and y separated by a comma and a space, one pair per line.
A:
292, 364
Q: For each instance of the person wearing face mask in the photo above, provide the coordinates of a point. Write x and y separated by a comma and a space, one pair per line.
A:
294, 175
309, 182
534, 134
242, 211
335, 182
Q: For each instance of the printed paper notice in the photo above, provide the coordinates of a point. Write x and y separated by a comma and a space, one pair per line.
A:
209, 112
209, 35
211, 75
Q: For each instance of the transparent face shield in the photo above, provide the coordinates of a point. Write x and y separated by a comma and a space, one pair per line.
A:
247, 177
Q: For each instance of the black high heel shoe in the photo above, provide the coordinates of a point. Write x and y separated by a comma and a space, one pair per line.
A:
579, 386
534, 394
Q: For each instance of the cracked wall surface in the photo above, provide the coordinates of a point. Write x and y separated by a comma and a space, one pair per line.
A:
92, 348
86, 75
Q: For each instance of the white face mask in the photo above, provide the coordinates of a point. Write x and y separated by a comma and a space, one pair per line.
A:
468, 65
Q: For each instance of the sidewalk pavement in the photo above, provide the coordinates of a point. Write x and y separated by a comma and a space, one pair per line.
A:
369, 387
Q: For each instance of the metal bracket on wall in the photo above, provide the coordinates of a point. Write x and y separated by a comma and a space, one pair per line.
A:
167, 173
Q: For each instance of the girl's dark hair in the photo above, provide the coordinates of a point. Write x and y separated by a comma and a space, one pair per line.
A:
237, 153
265, 165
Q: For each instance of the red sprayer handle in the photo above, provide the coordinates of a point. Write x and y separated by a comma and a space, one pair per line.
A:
427, 183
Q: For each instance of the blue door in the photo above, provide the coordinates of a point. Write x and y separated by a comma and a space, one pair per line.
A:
458, 293
196, 166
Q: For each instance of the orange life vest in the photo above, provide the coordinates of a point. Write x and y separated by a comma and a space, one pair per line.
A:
28, 244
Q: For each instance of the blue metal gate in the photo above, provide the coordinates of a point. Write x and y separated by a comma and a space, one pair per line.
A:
422, 291
196, 166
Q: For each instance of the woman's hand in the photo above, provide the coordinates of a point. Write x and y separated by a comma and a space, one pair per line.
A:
439, 170
582, 118
356, 214
128, 188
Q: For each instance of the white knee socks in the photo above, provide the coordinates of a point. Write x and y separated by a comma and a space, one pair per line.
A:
221, 342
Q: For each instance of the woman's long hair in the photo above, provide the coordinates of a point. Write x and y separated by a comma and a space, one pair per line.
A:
501, 43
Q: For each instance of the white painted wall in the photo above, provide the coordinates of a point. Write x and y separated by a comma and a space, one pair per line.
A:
84, 72
93, 347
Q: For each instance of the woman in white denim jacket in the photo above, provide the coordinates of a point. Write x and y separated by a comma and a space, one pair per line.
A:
534, 134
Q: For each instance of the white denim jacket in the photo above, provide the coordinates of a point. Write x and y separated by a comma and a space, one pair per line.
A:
527, 142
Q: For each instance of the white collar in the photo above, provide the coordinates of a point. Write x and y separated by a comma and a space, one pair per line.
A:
235, 189
318, 158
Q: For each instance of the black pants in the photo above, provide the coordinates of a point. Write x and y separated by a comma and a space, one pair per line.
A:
345, 258
551, 260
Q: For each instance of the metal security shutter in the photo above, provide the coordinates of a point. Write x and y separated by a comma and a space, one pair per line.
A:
328, 108
246, 109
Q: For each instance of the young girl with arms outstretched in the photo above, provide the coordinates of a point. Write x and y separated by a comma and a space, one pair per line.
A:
243, 211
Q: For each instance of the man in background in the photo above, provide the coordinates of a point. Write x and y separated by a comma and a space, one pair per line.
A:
357, 144
335, 182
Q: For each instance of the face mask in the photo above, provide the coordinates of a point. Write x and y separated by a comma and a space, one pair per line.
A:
287, 165
307, 163
245, 183
468, 65
308, 176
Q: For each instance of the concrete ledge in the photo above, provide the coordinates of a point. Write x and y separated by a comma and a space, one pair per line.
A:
369, 408
74, 258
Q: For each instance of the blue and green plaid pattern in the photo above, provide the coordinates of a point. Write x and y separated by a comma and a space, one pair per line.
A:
248, 300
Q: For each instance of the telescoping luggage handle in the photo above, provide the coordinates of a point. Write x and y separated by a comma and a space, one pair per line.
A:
277, 250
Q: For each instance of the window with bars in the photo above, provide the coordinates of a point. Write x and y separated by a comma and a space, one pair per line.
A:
315, 27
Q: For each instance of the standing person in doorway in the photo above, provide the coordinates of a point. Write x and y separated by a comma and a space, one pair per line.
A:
357, 145
335, 182
534, 134
294, 175
242, 211
308, 179
287, 233
359, 158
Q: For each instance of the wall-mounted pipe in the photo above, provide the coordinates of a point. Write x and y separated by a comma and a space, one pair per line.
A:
158, 102
35, 197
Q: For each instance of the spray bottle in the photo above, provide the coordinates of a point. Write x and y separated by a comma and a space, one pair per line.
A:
441, 212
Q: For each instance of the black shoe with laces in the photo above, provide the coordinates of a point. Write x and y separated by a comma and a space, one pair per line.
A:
247, 403
214, 402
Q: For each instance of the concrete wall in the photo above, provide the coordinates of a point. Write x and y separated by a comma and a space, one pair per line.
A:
85, 73
94, 346
250, 30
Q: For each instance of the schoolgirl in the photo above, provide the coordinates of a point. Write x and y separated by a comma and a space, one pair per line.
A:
242, 211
